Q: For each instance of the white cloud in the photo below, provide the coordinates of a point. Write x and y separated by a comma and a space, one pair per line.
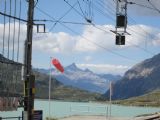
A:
156, 41
54, 42
88, 58
92, 41
105, 68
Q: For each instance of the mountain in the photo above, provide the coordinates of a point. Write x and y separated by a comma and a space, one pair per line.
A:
59, 91
83, 79
140, 79
149, 99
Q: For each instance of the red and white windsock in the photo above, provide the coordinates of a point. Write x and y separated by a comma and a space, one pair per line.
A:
58, 65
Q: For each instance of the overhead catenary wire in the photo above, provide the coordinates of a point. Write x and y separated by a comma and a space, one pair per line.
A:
137, 46
62, 16
153, 6
141, 34
81, 9
14, 28
19, 29
84, 18
9, 30
4, 28
98, 45
18, 40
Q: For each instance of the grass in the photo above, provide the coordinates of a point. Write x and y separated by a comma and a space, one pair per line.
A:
51, 118
151, 99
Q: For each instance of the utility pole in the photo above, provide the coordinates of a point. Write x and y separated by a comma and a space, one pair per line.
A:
29, 77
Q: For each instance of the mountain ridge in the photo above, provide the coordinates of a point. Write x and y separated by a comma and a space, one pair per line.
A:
140, 79
84, 79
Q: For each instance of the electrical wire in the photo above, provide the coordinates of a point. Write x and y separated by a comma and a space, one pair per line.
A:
154, 6
100, 46
128, 42
84, 18
9, 29
19, 30
105, 14
62, 17
137, 46
145, 6
13, 17
4, 29
14, 28
81, 9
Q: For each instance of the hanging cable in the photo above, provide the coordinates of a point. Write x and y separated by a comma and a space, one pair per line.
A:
14, 28
18, 40
8, 80
62, 17
109, 32
137, 46
145, 6
19, 29
153, 6
81, 8
4, 29
98, 45
9, 29
84, 18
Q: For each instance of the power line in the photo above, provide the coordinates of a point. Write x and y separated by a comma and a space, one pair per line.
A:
154, 6
106, 49
13, 17
141, 35
4, 27
84, 18
105, 30
14, 28
9, 29
19, 30
62, 16
137, 46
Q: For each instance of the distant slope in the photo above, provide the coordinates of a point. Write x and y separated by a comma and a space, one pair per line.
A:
150, 99
59, 91
83, 79
140, 79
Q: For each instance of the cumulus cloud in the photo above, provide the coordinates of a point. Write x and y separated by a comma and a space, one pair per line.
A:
88, 58
91, 39
54, 42
105, 68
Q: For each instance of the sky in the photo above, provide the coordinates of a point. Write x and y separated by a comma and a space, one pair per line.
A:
87, 45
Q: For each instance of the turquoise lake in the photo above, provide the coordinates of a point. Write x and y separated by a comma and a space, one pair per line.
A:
63, 109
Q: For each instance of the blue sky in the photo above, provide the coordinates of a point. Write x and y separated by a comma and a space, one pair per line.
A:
91, 46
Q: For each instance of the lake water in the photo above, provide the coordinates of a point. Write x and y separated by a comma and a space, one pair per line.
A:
63, 109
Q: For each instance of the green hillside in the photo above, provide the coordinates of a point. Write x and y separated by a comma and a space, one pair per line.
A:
150, 99
59, 91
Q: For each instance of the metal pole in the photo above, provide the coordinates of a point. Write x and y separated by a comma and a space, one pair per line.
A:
110, 99
49, 90
29, 95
